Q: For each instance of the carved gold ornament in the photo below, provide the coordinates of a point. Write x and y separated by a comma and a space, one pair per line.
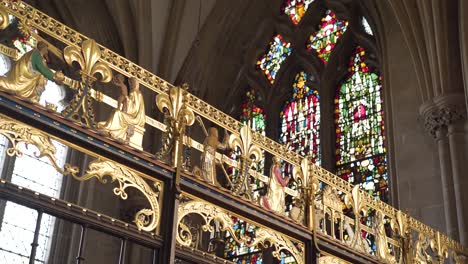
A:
211, 214
88, 58
4, 19
250, 155
331, 260
177, 116
381, 242
145, 219
17, 133
359, 209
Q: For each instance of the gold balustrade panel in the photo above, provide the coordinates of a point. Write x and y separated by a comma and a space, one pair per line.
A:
337, 210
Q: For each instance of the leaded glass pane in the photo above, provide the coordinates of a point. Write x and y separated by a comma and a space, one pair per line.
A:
296, 9
360, 137
300, 120
270, 63
324, 40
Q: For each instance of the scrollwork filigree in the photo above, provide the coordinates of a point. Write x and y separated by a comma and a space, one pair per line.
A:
17, 133
211, 213
145, 219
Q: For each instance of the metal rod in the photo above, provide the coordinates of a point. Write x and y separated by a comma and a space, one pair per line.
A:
155, 256
123, 245
79, 257
34, 244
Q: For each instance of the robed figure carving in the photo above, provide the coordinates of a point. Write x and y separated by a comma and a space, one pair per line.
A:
208, 157
28, 77
128, 117
274, 200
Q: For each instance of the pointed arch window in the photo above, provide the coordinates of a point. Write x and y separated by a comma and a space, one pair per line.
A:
296, 9
300, 120
360, 129
270, 63
324, 40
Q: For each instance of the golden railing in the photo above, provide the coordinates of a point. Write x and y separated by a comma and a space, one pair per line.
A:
331, 207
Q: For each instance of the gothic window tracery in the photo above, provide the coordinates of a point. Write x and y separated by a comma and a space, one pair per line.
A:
356, 115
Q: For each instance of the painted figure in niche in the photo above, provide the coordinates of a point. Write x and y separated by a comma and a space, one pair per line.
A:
208, 158
274, 200
28, 77
123, 122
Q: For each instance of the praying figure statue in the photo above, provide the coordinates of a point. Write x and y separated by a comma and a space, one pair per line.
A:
208, 158
129, 118
274, 200
28, 77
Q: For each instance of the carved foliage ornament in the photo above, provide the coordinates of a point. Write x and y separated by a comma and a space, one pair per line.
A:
439, 117
211, 214
145, 219
16, 133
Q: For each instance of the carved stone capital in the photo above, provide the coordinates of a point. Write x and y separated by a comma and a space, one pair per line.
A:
442, 111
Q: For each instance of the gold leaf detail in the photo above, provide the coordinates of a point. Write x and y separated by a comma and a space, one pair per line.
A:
145, 219
88, 59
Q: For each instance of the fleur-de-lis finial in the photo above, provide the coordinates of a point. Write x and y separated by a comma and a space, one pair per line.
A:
250, 154
88, 59
173, 105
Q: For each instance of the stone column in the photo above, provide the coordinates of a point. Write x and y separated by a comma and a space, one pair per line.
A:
445, 119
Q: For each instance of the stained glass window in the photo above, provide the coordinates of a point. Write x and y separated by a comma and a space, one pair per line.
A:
270, 63
300, 120
242, 253
296, 9
324, 40
360, 136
